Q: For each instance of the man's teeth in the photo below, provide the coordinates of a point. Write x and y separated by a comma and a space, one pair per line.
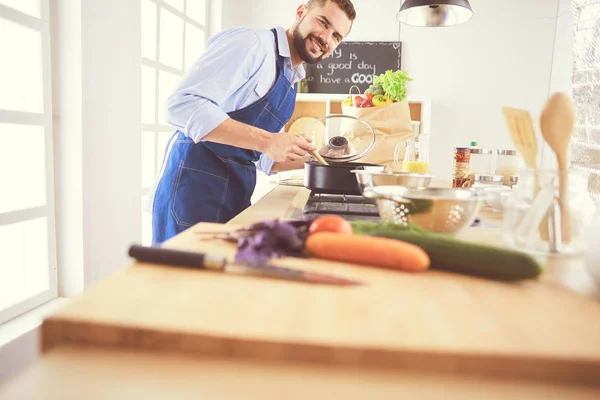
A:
315, 45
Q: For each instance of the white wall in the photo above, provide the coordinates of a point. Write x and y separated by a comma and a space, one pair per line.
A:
502, 56
111, 110
97, 88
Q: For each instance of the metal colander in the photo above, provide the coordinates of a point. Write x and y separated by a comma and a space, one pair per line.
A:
436, 209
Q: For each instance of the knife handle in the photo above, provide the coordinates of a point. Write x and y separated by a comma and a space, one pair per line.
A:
161, 255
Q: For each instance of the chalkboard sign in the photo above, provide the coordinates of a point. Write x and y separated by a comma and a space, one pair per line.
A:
352, 63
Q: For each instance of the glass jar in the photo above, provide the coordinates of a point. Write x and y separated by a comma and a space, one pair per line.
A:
536, 195
508, 163
487, 180
415, 158
481, 161
462, 160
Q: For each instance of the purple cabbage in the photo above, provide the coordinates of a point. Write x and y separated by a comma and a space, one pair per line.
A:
268, 239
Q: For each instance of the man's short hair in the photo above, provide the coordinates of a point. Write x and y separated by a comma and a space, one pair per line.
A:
345, 5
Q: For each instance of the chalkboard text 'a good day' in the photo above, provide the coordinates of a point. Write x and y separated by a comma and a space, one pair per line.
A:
353, 64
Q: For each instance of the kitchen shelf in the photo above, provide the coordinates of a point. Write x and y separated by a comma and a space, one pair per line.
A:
319, 105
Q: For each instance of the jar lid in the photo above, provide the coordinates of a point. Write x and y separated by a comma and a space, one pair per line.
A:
488, 178
462, 148
507, 152
481, 151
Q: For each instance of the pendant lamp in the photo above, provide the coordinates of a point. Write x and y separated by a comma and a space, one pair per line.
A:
434, 13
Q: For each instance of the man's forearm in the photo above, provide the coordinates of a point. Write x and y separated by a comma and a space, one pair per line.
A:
238, 134
288, 166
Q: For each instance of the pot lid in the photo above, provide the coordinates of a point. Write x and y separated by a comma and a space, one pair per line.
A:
345, 138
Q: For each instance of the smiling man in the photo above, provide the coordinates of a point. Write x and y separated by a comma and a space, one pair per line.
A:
228, 112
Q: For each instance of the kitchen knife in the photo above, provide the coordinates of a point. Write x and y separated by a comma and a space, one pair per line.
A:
161, 255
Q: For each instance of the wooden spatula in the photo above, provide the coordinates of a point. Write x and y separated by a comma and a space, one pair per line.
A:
522, 133
315, 154
318, 157
557, 122
520, 126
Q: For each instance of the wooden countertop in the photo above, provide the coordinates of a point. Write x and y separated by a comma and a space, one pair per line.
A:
434, 322
90, 373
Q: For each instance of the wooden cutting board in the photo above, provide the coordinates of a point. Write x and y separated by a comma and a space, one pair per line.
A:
432, 321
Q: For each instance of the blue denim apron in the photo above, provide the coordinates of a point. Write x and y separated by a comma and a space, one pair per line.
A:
212, 182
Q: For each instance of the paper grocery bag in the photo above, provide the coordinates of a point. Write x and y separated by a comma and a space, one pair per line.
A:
392, 125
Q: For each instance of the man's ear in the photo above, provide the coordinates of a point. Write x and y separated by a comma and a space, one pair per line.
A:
300, 12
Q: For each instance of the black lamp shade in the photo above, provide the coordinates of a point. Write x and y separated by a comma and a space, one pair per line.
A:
434, 13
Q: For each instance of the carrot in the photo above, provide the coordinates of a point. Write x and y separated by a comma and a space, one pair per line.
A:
370, 250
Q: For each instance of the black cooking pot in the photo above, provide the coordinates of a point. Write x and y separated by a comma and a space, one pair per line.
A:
334, 178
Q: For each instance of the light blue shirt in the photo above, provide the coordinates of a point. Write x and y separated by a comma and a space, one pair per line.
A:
237, 68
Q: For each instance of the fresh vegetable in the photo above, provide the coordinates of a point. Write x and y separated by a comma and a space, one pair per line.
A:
393, 84
376, 251
358, 101
348, 101
259, 242
367, 227
366, 103
450, 254
369, 96
375, 89
381, 100
330, 223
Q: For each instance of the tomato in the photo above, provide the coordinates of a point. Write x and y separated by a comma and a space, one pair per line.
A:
330, 223
369, 96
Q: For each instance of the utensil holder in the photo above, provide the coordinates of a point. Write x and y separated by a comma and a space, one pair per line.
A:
526, 208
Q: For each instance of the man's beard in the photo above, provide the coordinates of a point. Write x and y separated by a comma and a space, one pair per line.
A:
302, 43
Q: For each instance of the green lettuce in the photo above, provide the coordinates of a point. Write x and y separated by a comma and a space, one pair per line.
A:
393, 83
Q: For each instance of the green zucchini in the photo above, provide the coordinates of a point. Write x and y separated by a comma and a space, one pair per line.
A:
450, 254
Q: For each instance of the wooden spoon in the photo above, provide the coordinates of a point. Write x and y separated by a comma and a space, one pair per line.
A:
315, 154
318, 157
557, 122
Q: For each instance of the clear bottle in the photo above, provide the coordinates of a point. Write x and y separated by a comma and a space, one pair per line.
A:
416, 158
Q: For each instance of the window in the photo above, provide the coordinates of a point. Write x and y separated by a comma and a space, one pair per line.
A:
173, 36
27, 229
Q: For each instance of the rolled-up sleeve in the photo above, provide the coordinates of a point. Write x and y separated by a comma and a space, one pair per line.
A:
230, 58
264, 164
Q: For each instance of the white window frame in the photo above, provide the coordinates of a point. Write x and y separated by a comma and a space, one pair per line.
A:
36, 119
156, 128
158, 66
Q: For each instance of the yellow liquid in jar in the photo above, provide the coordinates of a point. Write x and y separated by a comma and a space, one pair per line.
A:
420, 167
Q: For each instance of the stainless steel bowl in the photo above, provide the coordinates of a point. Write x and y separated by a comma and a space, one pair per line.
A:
436, 209
369, 178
